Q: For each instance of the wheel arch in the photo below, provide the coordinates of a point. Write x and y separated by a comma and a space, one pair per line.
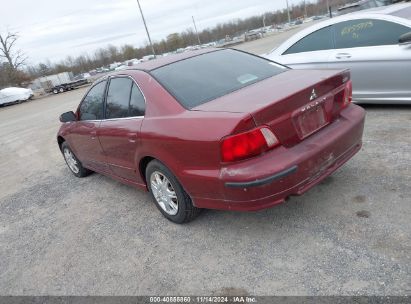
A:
60, 141
142, 166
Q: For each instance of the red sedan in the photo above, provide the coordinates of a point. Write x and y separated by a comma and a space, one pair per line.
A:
216, 128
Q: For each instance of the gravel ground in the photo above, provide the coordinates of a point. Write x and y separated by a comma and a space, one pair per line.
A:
60, 235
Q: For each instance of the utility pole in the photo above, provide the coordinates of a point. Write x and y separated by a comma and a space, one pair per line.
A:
145, 25
195, 27
288, 12
264, 20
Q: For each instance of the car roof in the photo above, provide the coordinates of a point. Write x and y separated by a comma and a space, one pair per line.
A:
162, 61
153, 64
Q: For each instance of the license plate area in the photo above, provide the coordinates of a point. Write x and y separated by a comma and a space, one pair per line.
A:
310, 121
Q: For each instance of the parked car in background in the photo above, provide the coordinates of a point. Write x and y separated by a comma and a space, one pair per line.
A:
14, 95
360, 5
252, 35
374, 44
120, 68
215, 128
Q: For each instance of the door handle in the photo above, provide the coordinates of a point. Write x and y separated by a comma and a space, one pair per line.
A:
93, 134
132, 137
343, 56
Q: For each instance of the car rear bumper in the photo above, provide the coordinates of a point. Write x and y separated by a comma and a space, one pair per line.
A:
263, 181
269, 179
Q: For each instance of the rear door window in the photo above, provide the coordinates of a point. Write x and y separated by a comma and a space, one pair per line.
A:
137, 102
367, 32
118, 97
124, 99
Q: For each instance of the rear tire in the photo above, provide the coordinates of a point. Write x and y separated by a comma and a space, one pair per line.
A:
73, 162
61, 90
168, 194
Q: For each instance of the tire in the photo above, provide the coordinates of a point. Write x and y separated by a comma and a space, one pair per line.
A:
183, 211
61, 90
73, 162
55, 91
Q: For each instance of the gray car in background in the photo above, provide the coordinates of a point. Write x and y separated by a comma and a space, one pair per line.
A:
374, 44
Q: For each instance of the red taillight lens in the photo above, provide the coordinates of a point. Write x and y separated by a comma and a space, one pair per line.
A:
248, 144
347, 99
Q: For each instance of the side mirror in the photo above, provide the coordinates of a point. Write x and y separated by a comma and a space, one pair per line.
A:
405, 39
68, 116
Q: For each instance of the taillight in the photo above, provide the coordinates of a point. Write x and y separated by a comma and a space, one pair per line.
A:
248, 144
347, 99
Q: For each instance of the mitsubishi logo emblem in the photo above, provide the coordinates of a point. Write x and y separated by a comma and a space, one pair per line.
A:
313, 95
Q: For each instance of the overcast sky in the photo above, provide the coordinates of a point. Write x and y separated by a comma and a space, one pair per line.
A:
51, 29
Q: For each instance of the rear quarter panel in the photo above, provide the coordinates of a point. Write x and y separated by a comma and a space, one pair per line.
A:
187, 142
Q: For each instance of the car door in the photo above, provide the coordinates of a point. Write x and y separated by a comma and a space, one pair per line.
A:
83, 136
310, 52
380, 66
119, 133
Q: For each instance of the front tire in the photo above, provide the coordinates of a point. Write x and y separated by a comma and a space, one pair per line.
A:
168, 194
73, 162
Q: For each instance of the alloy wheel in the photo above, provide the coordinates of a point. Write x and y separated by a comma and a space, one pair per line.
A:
71, 161
164, 193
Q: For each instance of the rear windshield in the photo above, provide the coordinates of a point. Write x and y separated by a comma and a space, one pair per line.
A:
202, 78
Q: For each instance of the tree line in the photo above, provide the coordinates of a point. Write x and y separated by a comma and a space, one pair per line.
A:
13, 70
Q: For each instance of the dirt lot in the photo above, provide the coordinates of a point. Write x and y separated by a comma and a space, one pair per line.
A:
61, 235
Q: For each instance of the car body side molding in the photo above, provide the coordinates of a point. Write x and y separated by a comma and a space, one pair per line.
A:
264, 181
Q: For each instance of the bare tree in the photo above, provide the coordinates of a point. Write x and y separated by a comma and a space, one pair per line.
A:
8, 51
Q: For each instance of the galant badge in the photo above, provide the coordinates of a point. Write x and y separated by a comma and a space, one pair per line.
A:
313, 95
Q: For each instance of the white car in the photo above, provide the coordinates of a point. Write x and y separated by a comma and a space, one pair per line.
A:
13, 95
374, 44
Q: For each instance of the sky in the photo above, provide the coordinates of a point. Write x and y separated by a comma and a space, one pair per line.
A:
52, 30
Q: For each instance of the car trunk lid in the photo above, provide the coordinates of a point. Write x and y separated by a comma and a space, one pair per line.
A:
294, 104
